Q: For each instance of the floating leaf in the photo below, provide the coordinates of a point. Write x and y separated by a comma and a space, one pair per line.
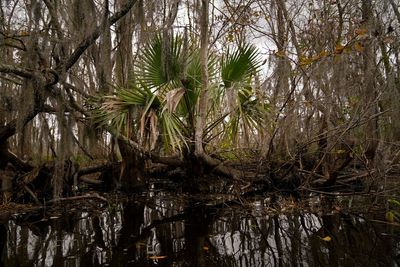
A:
205, 248
326, 238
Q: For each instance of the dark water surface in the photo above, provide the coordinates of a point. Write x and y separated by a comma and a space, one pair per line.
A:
163, 229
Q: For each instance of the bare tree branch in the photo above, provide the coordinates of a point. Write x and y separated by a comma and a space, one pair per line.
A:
4, 68
10, 129
395, 9
91, 38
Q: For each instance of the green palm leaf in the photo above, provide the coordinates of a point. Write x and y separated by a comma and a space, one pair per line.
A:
173, 131
239, 65
164, 96
249, 114
161, 61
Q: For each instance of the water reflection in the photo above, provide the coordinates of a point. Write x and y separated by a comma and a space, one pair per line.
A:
166, 231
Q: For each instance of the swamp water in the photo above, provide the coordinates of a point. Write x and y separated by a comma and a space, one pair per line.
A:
164, 228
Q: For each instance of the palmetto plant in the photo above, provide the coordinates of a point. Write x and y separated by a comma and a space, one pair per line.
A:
161, 101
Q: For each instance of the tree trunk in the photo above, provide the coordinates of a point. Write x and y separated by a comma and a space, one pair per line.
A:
132, 175
369, 93
203, 99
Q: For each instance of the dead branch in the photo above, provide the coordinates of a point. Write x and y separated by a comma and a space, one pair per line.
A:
219, 168
91, 38
87, 196
90, 181
29, 191
17, 162
93, 169
15, 70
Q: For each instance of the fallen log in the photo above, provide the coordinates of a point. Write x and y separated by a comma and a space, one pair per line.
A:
93, 169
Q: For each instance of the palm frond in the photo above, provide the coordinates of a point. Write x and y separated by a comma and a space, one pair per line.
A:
161, 61
249, 114
239, 65
173, 98
173, 131
163, 97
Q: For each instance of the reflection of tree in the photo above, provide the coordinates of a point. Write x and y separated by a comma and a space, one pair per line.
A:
69, 240
132, 221
354, 242
196, 236
297, 239
295, 255
196, 230
278, 241
3, 240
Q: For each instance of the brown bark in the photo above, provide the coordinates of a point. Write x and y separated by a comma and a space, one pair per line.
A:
370, 92
41, 81
92, 37
203, 98
132, 174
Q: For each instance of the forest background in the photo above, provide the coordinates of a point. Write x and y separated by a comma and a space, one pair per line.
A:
304, 89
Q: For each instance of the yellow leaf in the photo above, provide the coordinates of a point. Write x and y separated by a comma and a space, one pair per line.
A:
315, 58
280, 53
388, 39
23, 34
157, 257
205, 248
336, 59
323, 54
140, 244
347, 48
326, 238
230, 37
389, 216
339, 48
303, 61
361, 31
359, 47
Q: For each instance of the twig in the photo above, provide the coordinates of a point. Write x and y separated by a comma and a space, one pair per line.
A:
90, 181
94, 195
27, 189
336, 194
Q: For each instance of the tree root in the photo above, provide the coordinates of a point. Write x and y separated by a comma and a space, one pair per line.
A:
17, 162
219, 168
93, 169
